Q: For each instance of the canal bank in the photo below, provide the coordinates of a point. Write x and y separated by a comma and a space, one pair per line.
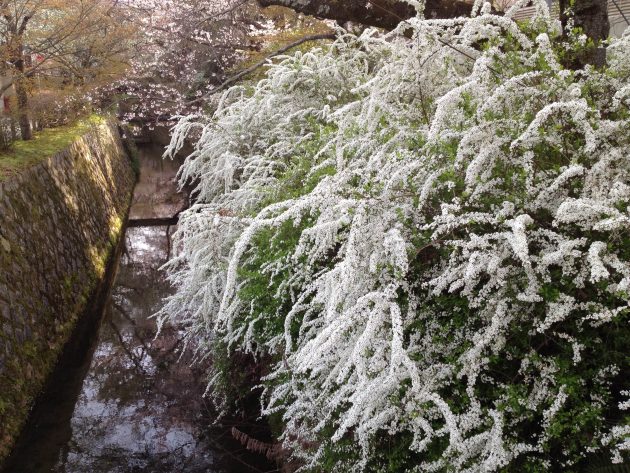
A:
60, 221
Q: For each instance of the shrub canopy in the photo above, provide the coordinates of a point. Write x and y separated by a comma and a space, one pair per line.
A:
426, 234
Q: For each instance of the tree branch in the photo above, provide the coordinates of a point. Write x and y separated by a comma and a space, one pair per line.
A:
380, 13
261, 63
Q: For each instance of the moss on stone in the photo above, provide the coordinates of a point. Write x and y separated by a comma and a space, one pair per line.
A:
90, 186
45, 143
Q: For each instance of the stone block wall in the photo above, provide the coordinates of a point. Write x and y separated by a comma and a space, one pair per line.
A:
59, 224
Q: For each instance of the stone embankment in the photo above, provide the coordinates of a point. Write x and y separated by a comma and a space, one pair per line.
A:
60, 222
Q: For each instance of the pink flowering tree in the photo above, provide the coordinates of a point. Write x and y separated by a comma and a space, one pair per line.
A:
181, 51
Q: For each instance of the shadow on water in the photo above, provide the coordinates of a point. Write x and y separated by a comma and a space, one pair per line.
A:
123, 400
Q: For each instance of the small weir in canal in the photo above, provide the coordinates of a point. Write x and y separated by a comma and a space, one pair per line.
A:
123, 400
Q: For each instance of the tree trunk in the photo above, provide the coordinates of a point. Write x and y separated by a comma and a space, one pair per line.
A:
21, 93
22, 110
592, 17
380, 13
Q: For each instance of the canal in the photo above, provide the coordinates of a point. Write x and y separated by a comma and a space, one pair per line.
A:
123, 399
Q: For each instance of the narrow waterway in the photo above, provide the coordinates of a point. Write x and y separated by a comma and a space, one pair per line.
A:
124, 400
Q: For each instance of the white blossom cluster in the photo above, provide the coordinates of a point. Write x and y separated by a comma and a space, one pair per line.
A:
443, 211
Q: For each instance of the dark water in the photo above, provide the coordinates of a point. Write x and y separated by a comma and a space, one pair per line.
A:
127, 401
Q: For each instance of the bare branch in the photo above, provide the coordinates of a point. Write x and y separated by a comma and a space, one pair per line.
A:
261, 63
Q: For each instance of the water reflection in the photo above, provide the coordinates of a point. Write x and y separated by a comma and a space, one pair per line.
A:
137, 402
139, 407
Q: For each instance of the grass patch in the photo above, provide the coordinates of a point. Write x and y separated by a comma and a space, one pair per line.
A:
24, 154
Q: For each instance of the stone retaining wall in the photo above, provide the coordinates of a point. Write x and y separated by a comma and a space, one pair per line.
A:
59, 223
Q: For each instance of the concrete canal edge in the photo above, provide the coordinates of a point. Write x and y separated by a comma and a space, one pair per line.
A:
61, 222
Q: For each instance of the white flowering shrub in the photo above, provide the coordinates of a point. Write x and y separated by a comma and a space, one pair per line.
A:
425, 235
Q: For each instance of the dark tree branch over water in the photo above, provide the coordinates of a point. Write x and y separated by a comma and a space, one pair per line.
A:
591, 16
381, 13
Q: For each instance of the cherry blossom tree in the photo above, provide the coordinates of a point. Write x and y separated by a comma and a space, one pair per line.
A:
182, 51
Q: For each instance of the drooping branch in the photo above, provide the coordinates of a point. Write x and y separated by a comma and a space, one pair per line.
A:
245, 72
381, 13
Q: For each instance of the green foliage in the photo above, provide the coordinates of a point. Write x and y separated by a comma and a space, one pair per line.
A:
44, 144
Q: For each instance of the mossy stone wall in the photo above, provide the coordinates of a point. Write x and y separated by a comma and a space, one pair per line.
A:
59, 223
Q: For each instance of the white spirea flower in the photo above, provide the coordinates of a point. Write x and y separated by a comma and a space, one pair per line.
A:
422, 234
